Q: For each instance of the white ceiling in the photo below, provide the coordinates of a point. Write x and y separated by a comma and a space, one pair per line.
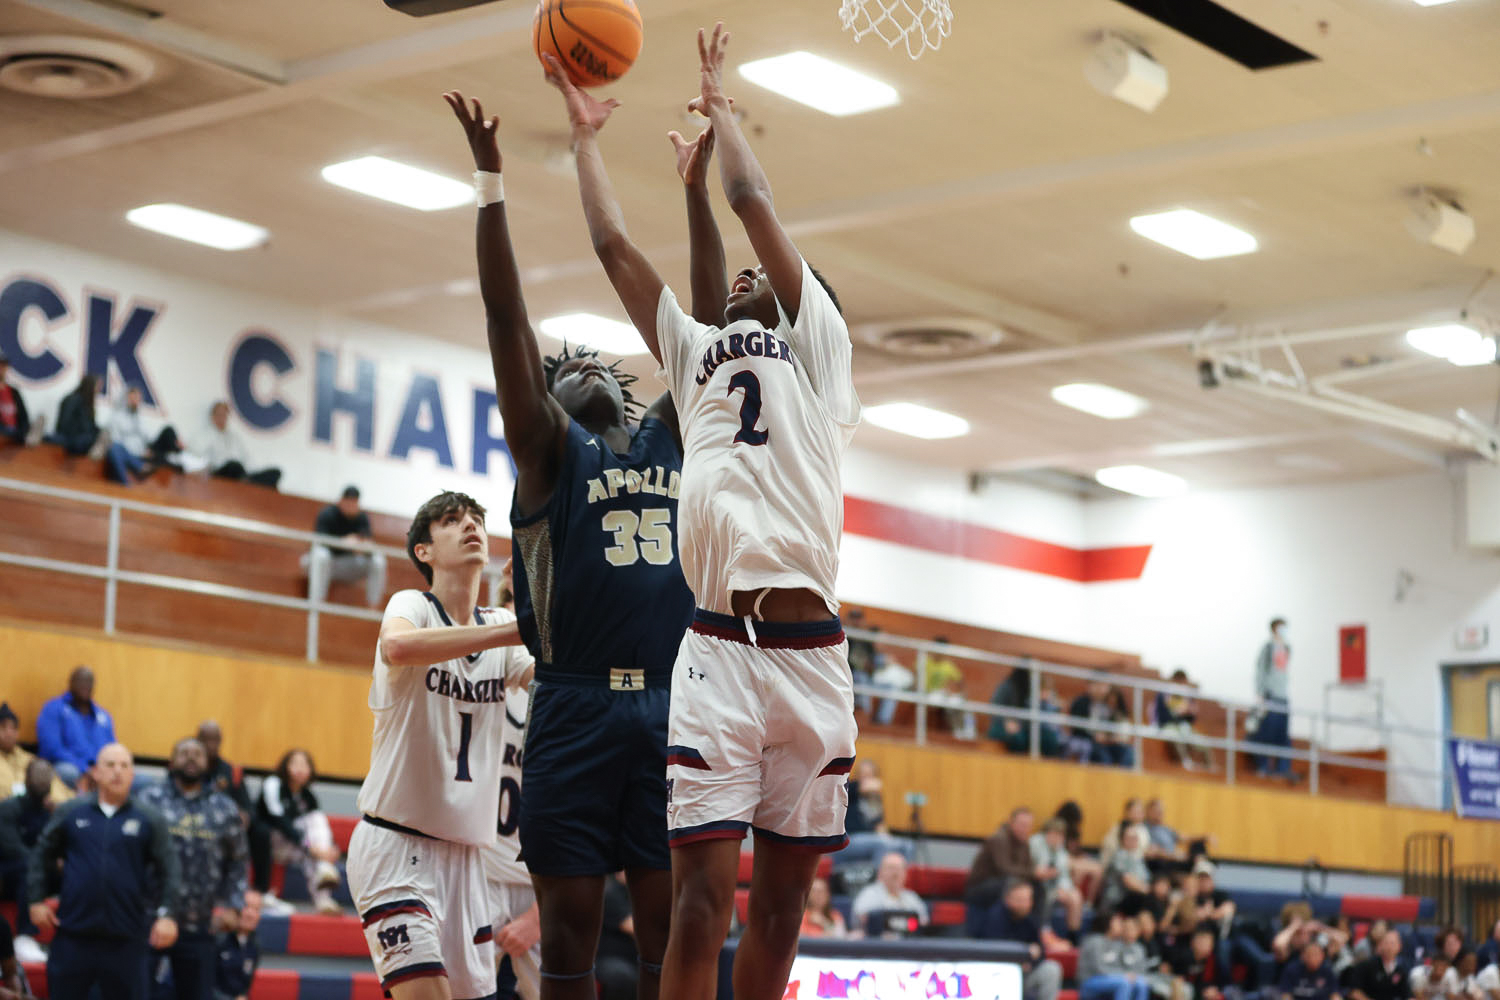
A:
998, 190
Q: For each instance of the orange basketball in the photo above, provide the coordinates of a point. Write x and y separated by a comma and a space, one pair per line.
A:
595, 40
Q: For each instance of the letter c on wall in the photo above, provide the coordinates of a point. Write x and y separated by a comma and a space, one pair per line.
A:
254, 350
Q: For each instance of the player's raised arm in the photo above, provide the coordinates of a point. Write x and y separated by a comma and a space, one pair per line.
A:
745, 183
534, 423
403, 644
636, 282
710, 282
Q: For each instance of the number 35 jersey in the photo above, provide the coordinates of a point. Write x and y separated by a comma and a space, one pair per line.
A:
436, 752
766, 416
598, 584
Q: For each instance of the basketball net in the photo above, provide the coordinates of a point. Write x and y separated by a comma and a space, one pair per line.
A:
921, 24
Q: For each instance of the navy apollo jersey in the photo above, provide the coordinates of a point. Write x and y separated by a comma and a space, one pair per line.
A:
598, 583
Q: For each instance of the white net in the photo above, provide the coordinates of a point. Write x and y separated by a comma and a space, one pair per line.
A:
920, 24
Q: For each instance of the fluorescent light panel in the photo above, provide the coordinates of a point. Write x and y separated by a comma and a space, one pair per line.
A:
1461, 345
1431, 3
1195, 234
400, 183
607, 335
1141, 480
1100, 400
197, 226
820, 83
916, 420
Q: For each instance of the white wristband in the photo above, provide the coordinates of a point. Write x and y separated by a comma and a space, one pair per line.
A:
489, 188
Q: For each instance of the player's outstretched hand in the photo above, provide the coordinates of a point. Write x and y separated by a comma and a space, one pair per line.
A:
693, 156
711, 64
480, 130
584, 109
520, 935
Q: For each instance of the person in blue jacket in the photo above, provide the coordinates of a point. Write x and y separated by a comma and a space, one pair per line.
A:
110, 863
72, 729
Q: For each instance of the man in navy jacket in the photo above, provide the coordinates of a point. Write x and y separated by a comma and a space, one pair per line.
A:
71, 729
113, 863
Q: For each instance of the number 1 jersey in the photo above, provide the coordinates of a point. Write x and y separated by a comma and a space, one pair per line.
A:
766, 416
436, 753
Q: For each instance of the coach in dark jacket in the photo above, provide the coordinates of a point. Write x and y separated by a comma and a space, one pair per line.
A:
209, 841
112, 861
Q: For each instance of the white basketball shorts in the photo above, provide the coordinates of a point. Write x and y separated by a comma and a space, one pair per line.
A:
762, 733
425, 908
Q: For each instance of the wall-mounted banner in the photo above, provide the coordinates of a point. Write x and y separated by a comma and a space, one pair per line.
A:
1476, 778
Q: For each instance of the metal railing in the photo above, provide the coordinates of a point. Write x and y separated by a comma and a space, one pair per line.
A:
112, 575
1136, 731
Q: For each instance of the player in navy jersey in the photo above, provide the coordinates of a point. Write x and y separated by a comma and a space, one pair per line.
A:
601, 603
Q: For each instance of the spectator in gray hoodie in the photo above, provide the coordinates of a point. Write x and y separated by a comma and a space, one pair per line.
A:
1112, 964
1271, 671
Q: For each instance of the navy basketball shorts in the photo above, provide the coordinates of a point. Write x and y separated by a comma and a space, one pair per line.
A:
593, 775
762, 733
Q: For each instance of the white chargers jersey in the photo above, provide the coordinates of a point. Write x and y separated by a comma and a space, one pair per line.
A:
435, 756
502, 859
765, 417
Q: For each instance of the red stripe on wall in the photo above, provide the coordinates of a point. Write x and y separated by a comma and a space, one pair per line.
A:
950, 537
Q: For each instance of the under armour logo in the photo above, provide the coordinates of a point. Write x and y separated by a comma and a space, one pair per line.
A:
696, 674
413, 859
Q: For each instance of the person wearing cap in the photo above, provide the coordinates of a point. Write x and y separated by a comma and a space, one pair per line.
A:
347, 522
15, 422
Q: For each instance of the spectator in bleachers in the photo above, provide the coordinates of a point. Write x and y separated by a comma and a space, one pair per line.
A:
1005, 854
1159, 901
864, 658
209, 840
1176, 714
820, 918
223, 776
287, 827
1214, 904
1488, 953
132, 456
72, 728
1450, 943
1102, 705
77, 429
239, 953
1474, 983
113, 862
866, 799
1111, 961
15, 422
345, 521
617, 960
1012, 919
1365, 946
223, 451
14, 760
22, 819
1198, 966
1382, 976
1168, 851
1085, 868
1308, 976
1271, 685
1160, 979
1298, 927
1015, 734
1132, 816
1053, 873
945, 684
888, 893
1126, 871
1437, 980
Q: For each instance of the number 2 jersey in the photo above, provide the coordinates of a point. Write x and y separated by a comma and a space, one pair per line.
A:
598, 584
766, 416
436, 753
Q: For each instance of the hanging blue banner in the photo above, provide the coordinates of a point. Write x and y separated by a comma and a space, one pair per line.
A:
1476, 778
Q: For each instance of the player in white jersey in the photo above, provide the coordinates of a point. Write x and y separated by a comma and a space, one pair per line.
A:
518, 931
431, 799
762, 718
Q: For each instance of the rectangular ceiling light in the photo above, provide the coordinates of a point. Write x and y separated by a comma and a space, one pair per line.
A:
400, 183
1195, 234
1142, 481
1431, 3
916, 420
197, 226
1462, 345
607, 335
1101, 400
820, 83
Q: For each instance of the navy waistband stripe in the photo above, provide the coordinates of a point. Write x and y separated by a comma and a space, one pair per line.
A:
776, 630
386, 824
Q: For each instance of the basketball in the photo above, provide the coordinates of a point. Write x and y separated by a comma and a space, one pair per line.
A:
595, 40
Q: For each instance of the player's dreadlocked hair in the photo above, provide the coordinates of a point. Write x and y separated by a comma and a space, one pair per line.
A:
550, 365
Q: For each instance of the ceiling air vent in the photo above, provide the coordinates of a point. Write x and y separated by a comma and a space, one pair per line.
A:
71, 67
933, 339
